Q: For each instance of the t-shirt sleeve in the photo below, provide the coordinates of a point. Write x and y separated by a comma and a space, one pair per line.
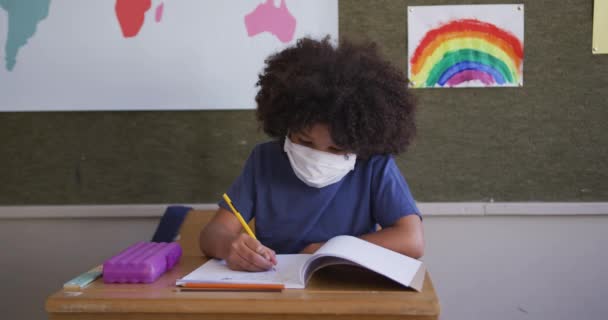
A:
242, 190
392, 198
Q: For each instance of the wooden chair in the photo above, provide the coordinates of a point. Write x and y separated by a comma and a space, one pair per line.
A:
191, 227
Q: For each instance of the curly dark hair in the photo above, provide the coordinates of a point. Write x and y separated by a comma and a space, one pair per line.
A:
360, 96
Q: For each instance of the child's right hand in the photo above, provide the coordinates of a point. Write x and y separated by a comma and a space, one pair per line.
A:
248, 254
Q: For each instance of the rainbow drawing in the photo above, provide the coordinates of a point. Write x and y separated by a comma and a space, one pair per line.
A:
467, 52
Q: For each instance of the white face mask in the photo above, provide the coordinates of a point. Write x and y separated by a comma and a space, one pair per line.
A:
317, 168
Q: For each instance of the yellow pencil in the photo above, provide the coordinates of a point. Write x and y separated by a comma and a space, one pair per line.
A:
239, 217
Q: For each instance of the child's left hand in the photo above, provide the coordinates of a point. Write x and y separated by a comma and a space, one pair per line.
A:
312, 248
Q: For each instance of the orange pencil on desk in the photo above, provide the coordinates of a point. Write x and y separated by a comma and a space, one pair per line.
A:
213, 286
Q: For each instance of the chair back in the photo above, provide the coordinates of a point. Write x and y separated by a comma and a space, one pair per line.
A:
191, 228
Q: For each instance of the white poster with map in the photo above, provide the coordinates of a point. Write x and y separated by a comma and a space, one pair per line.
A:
146, 54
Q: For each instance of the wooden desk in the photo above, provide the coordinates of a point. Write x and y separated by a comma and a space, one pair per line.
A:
329, 296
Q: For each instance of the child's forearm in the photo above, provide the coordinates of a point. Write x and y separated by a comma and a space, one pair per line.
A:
404, 237
395, 241
215, 240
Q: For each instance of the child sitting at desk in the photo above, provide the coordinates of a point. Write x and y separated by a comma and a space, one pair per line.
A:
338, 114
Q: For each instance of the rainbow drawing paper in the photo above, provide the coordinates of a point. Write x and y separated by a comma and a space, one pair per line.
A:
465, 46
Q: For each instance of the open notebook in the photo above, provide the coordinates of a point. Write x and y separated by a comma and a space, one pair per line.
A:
294, 270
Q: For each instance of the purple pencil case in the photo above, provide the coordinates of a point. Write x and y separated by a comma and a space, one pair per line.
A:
142, 262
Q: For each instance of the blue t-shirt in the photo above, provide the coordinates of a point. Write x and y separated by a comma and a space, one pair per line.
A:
289, 214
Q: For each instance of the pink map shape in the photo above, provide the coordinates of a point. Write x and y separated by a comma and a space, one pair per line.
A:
268, 18
159, 12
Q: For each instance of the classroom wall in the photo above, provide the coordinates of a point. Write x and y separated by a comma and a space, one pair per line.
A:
541, 142
500, 268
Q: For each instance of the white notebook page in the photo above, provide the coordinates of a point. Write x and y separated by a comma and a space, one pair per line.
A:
287, 272
387, 262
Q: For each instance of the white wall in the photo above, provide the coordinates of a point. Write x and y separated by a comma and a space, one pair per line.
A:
38, 256
508, 268
483, 267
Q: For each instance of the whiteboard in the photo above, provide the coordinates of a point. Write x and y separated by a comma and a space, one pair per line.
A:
187, 54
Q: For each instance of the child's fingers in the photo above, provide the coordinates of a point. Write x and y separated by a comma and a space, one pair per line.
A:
268, 253
258, 260
253, 262
244, 257
236, 261
261, 250
254, 252
273, 256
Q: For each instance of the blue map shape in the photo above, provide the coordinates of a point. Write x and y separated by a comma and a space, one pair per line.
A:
23, 18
